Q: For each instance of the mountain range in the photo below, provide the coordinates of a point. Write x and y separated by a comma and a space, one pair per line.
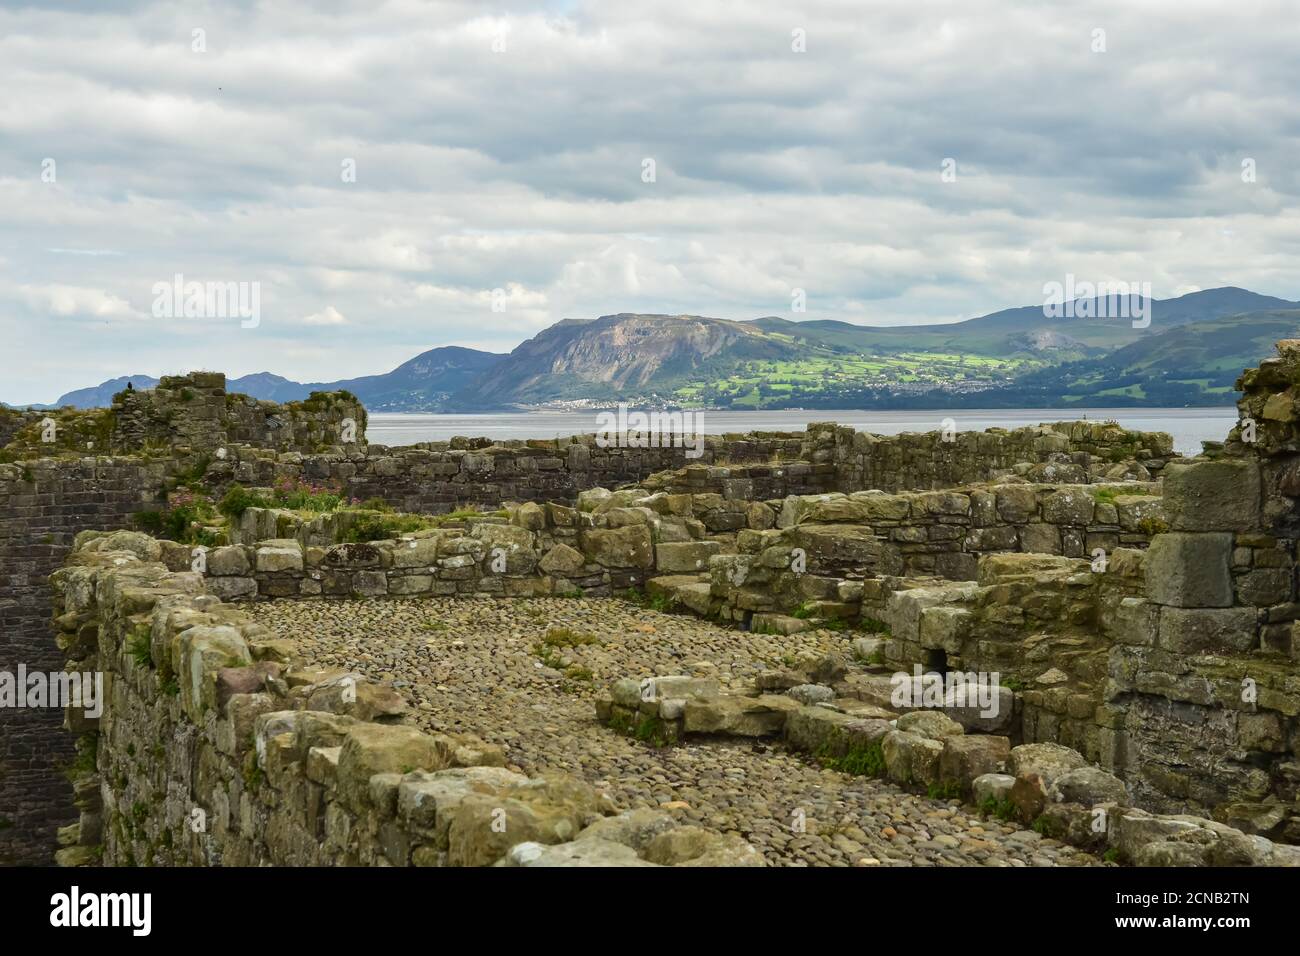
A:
1190, 353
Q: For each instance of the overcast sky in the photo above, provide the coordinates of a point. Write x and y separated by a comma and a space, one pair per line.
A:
507, 152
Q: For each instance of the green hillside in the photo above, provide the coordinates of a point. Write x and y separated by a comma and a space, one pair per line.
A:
1189, 365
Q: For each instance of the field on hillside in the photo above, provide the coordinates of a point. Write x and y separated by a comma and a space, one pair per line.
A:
824, 380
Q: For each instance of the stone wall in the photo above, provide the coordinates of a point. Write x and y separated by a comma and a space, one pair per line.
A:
43, 505
1205, 670
217, 747
185, 414
1072, 452
437, 477
825, 556
838, 458
51, 490
616, 540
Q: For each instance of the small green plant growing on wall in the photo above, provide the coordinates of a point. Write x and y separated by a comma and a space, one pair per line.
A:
859, 760
139, 648
1003, 809
944, 791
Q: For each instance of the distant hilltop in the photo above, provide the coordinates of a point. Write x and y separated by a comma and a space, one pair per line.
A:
1187, 351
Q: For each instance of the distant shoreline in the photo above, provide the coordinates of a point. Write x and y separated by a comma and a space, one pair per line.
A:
1188, 426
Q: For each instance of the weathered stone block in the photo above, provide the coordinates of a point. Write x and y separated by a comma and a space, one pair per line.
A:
1195, 630
986, 708
414, 552
229, 560
1219, 495
685, 556
1069, 506
992, 786
944, 627
232, 589
820, 730
740, 716
1264, 587
1040, 538
369, 749
965, 758
1190, 570
1088, 786
910, 758
1135, 621
929, 723
562, 560
203, 652
279, 555
1017, 503
627, 547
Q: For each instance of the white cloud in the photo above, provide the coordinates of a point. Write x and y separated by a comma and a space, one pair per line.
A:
64, 301
327, 316
520, 170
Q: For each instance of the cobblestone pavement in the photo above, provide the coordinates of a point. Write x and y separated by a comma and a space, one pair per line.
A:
474, 665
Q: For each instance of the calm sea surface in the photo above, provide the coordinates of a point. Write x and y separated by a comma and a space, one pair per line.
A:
1189, 426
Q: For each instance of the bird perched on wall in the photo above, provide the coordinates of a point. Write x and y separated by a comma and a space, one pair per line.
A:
130, 387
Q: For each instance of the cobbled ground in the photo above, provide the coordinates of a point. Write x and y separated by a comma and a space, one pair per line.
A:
482, 666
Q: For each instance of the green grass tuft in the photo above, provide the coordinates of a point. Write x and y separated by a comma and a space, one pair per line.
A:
859, 761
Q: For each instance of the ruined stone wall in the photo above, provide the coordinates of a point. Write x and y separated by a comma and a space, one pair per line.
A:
944, 532
1183, 702
1206, 669
838, 458
43, 505
217, 747
437, 477
1073, 452
196, 411
617, 540
1044, 624
187, 413
12, 420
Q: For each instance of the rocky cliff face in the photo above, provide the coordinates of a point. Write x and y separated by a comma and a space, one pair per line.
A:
617, 355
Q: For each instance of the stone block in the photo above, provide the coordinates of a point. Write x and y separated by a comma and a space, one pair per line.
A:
1216, 630
1219, 495
929, 723
413, 553
1088, 786
986, 708
1190, 569
1069, 506
203, 652
685, 556
279, 555
910, 758
627, 547
820, 730
965, 758
231, 560
1265, 587
1040, 538
739, 716
1134, 621
1017, 503
992, 786
369, 749
562, 560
